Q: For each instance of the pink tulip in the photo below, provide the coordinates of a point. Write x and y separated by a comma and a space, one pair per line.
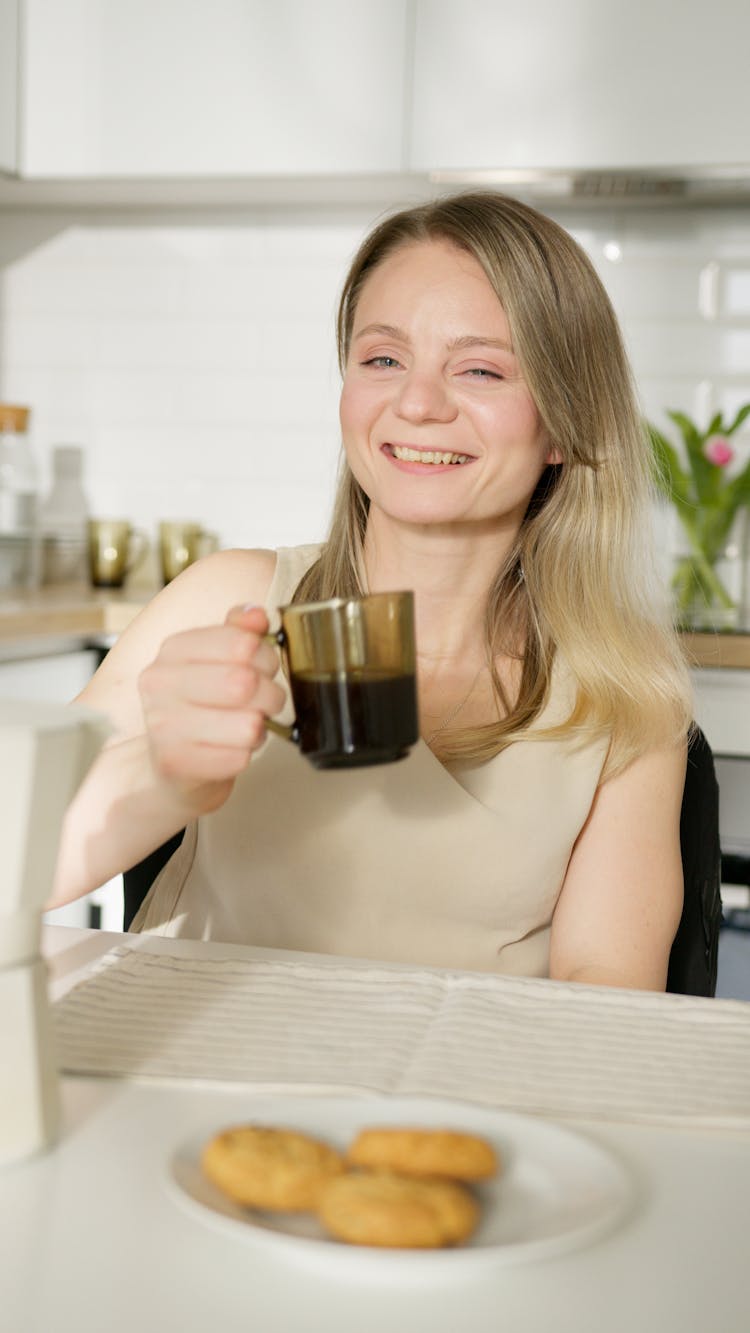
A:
718, 450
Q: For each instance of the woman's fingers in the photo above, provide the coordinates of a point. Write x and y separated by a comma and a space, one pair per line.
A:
212, 685
228, 643
248, 618
206, 697
239, 728
182, 755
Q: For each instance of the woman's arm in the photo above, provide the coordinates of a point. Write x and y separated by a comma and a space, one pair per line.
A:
621, 901
186, 689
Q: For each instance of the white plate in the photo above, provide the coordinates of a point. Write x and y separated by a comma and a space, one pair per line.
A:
557, 1189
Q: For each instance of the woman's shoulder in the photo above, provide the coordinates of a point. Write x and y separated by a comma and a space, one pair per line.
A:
206, 591
201, 596
213, 585
259, 577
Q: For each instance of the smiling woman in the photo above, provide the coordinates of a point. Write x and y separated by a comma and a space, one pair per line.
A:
506, 344
426, 386
494, 464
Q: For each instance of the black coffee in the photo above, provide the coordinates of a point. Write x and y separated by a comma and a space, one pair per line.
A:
346, 721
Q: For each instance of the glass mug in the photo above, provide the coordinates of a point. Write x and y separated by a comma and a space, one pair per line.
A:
180, 544
352, 672
114, 550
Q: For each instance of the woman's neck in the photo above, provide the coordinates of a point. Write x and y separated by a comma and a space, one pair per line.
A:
450, 571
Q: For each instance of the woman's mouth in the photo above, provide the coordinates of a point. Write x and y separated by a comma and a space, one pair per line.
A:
428, 457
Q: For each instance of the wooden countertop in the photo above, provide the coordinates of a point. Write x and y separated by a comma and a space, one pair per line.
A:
718, 650
69, 611
88, 612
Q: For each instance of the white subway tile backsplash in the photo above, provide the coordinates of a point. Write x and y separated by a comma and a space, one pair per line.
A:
192, 354
692, 349
294, 243
678, 233
736, 352
653, 290
734, 397
708, 290
736, 292
660, 394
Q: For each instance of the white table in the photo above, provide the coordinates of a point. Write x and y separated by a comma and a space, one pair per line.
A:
90, 1238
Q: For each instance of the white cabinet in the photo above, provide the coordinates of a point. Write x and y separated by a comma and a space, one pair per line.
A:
580, 84
8, 83
722, 709
187, 88
733, 776
52, 678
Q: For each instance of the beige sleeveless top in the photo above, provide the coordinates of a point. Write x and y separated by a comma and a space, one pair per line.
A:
406, 862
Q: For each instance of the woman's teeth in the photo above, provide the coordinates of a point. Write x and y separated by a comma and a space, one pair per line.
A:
421, 456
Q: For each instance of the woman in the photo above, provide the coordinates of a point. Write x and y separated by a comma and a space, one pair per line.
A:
496, 464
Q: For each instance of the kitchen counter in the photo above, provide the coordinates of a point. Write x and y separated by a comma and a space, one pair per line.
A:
75, 611
730, 650
83, 612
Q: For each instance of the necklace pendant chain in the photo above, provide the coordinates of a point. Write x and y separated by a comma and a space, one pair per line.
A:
450, 717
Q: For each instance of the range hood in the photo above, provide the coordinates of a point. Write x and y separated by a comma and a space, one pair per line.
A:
673, 185
553, 187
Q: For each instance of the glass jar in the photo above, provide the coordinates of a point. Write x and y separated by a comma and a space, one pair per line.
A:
19, 501
63, 519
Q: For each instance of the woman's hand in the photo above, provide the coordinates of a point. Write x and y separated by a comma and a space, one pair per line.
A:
205, 700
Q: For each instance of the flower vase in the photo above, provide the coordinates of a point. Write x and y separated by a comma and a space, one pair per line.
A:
709, 592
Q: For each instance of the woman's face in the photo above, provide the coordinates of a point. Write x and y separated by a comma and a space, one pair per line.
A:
438, 424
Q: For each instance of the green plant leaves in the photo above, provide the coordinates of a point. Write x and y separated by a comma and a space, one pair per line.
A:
707, 476
741, 416
738, 489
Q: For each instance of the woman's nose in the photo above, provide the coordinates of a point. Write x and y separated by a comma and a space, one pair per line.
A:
423, 396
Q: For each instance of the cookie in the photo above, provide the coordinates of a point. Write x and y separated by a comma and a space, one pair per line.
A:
277, 1169
424, 1152
383, 1209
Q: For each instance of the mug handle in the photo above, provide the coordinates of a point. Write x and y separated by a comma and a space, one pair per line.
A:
138, 543
286, 730
208, 542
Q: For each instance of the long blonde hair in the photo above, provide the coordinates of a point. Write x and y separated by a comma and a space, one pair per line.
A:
579, 580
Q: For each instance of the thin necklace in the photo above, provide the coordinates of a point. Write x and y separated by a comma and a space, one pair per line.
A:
455, 711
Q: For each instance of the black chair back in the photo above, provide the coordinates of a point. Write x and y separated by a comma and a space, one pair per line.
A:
137, 881
693, 961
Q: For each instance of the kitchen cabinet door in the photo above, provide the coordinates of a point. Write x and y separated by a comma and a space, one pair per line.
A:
8, 83
187, 88
722, 709
580, 84
53, 678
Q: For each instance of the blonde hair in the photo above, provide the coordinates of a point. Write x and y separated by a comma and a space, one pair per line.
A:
579, 580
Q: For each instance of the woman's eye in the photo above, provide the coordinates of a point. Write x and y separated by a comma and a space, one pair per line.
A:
387, 362
482, 373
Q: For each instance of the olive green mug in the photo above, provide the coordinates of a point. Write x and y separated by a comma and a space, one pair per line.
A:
180, 544
115, 547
